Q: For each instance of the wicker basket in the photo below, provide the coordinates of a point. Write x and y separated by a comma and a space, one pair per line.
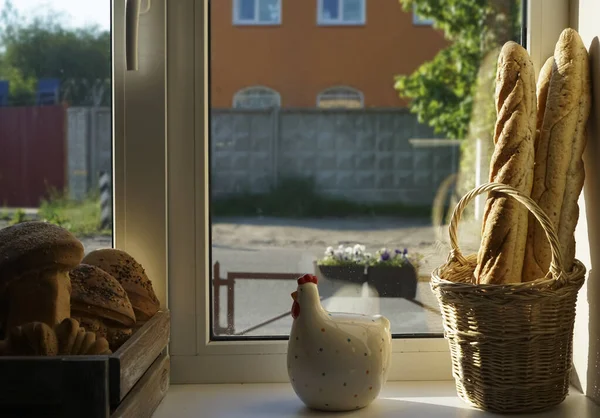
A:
511, 345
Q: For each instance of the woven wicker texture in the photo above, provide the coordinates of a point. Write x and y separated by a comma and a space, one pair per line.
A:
511, 345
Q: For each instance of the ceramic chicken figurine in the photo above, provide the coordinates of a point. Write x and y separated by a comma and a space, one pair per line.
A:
336, 361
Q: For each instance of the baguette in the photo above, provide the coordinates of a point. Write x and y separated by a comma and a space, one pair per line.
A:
569, 215
558, 174
504, 231
542, 94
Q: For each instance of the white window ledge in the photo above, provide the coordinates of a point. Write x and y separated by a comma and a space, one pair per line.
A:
406, 399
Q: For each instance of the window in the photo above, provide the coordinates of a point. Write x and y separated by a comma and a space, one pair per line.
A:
257, 12
56, 116
256, 98
340, 97
231, 275
80, 152
419, 21
342, 12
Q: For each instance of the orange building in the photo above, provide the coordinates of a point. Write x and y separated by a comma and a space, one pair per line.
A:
308, 53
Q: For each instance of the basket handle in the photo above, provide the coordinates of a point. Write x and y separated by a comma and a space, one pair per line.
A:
556, 267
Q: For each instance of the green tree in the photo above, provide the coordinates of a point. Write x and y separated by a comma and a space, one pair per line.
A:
442, 90
45, 47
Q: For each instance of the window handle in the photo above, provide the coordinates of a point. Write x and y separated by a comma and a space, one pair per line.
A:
132, 16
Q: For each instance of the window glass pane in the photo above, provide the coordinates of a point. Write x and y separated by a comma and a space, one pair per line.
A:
340, 97
353, 10
247, 9
359, 195
55, 116
256, 98
269, 10
331, 9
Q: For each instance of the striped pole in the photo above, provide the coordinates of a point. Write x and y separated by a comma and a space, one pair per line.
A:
105, 201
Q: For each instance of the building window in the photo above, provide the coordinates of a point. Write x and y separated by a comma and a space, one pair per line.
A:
256, 98
420, 21
342, 12
256, 12
340, 97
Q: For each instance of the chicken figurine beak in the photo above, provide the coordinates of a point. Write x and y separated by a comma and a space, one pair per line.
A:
295, 295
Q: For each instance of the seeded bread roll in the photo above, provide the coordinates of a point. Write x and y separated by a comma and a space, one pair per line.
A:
96, 294
558, 175
132, 277
101, 305
504, 235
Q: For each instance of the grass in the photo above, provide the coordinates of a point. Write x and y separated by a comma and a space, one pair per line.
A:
298, 198
82, 218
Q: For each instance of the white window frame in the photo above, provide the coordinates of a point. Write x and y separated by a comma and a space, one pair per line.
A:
139, 128
323, 21
419, 21
256, 21
145, 226
240, 93
349, 89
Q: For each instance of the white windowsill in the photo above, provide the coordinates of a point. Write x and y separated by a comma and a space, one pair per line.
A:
406, 399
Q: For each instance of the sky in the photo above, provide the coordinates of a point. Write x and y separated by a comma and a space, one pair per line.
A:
78, 12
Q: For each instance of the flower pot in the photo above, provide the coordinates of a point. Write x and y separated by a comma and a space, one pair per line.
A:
352, 274
394, 281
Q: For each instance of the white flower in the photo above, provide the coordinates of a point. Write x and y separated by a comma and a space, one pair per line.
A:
348, 251
359, 249
341, 247
339, 254
368, 256
329, 251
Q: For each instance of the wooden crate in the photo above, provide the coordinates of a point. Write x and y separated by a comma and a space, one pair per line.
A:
129, 383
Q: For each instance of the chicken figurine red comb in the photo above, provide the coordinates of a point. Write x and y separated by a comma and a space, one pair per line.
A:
336, 361
308, 278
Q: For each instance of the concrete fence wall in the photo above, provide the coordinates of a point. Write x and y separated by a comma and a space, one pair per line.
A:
364, 155
368, 155
89, 148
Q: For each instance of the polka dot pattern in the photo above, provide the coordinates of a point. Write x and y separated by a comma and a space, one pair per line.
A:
336, 362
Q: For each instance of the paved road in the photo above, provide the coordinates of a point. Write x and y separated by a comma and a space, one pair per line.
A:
266, 303
292, 247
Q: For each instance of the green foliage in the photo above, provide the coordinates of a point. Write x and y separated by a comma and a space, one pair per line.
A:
82, 218
441, 90
298, 197
4, 214
18, 217
43, 47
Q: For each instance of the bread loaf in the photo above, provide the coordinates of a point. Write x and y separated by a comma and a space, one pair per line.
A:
504, 235
558, 174
569, 214
542, 94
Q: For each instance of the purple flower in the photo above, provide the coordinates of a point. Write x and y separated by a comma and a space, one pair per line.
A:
385, 256
405, 252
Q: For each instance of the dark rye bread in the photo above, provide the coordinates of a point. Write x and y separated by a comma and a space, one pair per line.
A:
32, 339
97, 294
35, 258
132, 277
36, 246
504, 235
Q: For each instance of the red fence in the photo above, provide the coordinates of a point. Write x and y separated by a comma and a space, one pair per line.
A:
32, 153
